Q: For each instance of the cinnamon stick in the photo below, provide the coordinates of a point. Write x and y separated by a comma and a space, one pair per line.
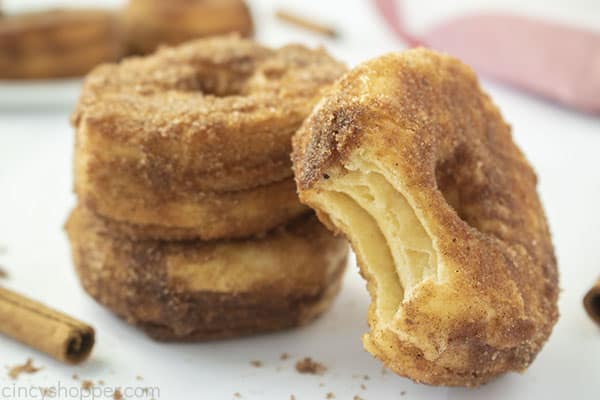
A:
591, 301
44, 329
304, 23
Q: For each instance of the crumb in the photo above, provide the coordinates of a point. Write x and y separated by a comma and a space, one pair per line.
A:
363, 387
237, 395
101, 382
321, 384
357, 398
256, 363
75, 377
308, 366
117, 395
330, 396
366, 377
48, 392
292, 397
139, 378
26, 368
3, 273
87, 385
284, 356
402, 393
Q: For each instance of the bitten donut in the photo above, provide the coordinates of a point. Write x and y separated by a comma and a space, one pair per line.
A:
150, 23
57, 43
200, 136
414, 164
210, 290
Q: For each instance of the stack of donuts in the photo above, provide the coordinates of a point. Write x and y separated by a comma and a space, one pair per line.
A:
188, 223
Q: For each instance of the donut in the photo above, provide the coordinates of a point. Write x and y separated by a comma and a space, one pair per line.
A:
410, 160
194, 141
191, 291
150, 23
57, 43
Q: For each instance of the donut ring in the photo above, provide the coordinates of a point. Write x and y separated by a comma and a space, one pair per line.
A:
198, 133
57, 43
410, 160
209, 290
150, 23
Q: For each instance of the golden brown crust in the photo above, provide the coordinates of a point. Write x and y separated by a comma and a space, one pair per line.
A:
195, 130
57, 43
150, 23
416, 129
209, 290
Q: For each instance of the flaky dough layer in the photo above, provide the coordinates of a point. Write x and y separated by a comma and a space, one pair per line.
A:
209, 290
410, 160
209, 119
57, 43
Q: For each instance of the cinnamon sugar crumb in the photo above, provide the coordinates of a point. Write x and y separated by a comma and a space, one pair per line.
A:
284, 356
357, 398
75, 377
330, 396
237, 395
87, 385
26, 368
117, 395
308, 366
256, 363
363, 387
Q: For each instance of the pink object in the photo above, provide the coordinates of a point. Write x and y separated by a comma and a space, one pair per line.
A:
552, 60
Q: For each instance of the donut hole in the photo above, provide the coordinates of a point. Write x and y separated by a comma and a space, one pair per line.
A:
453, 179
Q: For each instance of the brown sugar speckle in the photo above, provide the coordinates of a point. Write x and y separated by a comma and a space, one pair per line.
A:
237, 395
256, 363
117, 395
363, 387
101, 382
402, 393
284, 356
139, 378
75, 377
87, 385
330, 396
308, 366
26, 368
366, 377
357, 398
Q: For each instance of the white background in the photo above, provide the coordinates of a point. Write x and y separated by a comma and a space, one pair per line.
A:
35, 198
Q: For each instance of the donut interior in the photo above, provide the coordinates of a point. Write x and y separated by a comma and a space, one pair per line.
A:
396, 250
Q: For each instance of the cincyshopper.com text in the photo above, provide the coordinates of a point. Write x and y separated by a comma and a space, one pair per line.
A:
72, 392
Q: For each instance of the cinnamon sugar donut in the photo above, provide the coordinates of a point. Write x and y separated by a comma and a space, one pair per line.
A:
200, 136
57, 43
150, 23
412, 162
209, 290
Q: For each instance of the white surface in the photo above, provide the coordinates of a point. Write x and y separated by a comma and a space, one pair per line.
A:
35, 197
